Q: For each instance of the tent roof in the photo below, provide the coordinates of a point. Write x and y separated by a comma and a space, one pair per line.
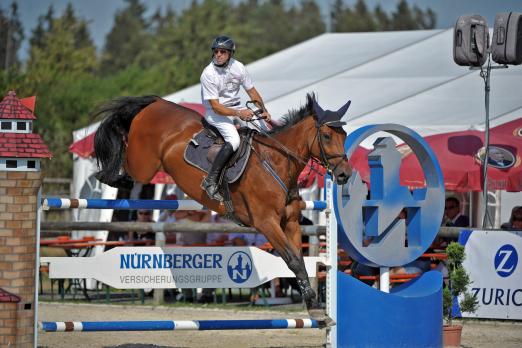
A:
405, 77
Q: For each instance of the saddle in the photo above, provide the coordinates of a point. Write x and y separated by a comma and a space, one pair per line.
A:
205, 145
203, 148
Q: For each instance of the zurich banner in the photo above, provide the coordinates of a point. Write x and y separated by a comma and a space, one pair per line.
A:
493, 263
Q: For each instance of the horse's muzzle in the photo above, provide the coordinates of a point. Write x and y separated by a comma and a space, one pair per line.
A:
342, 173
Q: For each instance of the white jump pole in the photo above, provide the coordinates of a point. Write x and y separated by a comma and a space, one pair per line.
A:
331, 254
384, 279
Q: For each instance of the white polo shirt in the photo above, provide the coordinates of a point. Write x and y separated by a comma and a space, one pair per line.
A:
223, 84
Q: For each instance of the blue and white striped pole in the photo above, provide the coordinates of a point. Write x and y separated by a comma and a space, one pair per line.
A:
169, 325
128, 204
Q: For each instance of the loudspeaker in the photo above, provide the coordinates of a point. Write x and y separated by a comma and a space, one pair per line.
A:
506, 46
470, 40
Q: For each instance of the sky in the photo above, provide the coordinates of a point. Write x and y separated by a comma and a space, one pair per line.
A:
100, 13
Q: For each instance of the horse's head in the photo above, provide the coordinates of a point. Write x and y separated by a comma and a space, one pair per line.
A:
330, 142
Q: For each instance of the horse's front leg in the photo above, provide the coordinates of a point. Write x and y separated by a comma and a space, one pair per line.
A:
292, 255
292, 230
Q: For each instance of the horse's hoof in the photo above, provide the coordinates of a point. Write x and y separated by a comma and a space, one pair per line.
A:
124, 182
328, 322
323, 320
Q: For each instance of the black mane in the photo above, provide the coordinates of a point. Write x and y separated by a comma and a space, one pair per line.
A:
295, 116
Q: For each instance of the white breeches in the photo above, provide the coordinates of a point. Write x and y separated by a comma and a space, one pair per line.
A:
226, 127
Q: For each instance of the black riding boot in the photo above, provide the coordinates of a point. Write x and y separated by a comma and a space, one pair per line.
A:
210, 182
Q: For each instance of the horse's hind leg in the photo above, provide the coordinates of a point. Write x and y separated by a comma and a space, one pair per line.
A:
142, 159
293, 257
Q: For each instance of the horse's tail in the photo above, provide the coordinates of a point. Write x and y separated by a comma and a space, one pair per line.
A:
111, 135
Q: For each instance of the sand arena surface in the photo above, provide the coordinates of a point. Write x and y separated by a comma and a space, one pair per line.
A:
496, 334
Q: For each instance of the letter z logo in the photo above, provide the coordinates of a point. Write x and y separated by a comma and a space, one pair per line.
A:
506, 260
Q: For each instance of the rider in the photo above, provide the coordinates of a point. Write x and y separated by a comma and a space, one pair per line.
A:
220, 82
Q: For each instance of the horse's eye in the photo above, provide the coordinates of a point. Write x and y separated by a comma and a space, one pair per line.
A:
326, 137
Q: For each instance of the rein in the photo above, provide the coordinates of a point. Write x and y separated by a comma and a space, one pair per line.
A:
324, 156
281, 146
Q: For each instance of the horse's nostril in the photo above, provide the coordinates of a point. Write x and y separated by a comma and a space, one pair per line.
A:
342, 178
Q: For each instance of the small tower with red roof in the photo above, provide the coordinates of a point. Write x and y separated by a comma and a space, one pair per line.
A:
20, 179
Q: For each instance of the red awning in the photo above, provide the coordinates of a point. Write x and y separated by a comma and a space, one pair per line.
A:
83, 147
162, 178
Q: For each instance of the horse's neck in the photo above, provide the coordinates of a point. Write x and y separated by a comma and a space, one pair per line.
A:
296, 139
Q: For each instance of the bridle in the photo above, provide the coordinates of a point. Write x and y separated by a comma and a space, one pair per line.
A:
325, 157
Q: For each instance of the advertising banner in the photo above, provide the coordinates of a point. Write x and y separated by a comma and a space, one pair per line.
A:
492, 259
190, 267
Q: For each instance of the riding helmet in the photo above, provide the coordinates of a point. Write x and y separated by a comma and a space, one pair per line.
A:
224, 42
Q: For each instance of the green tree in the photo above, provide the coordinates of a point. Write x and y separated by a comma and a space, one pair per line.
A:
382, 19
160, 48
128, 37
82, 37
346, 19
44, 25
11, 37
307, 23
363, 19
458, 283
425, 20
62, 50
337, 13
184, 45
359, 18
403, 18
406, 18
277, 33
257, 36
62, 56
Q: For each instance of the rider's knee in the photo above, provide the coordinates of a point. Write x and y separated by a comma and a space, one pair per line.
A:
234, 141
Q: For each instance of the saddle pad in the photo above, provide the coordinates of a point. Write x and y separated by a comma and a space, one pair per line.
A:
197, 150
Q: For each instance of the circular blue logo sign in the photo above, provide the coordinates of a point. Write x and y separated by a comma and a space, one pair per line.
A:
239, 267
389, 225
506, 260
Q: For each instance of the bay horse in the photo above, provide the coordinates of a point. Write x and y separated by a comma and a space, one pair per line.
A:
141, 135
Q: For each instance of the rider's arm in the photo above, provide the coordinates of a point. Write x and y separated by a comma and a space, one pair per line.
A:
254, 95
222, 110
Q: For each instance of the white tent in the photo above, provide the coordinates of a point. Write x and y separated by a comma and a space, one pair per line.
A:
404, 77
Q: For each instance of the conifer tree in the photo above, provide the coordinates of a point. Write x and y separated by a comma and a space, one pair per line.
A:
11, 37
62, 56
127, 38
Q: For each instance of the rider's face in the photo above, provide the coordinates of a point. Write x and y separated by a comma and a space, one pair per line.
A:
221, 56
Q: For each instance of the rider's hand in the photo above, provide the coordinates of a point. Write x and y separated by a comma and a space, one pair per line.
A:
245, 114
266, 116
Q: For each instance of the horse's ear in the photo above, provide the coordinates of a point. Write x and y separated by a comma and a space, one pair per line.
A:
343, 109
318, 110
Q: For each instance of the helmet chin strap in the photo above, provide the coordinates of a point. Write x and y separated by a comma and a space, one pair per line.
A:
220, 65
